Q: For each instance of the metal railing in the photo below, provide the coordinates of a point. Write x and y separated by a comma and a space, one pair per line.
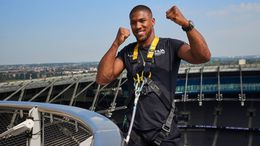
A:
100, 130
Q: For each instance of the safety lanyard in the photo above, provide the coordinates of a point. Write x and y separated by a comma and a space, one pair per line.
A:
139, 77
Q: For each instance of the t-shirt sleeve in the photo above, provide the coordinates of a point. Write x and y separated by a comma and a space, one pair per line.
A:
120, 54
176, 45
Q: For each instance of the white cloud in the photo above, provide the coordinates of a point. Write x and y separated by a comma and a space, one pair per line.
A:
235, 41
235, 30
251, 7
236, 9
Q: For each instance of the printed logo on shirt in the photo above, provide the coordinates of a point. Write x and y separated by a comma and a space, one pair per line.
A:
159, 52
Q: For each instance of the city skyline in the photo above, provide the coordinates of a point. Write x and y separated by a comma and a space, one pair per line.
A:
82, 31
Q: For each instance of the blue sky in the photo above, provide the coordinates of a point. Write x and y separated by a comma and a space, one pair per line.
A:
54, 31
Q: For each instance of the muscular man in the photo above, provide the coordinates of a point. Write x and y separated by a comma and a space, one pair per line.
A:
153, 107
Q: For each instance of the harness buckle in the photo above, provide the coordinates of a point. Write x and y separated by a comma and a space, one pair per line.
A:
157, 142
166, 128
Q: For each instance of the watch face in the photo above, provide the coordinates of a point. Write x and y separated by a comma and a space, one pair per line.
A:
190, 27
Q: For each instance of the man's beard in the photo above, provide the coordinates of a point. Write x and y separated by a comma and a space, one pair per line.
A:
142, 40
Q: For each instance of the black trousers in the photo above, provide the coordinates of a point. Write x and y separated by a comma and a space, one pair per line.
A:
145, 138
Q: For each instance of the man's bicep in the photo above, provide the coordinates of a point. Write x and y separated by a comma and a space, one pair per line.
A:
186, 54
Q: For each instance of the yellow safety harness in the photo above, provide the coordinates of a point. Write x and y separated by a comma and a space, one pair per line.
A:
139, 75
142, 77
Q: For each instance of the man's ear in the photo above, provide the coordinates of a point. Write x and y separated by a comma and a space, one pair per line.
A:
153, 21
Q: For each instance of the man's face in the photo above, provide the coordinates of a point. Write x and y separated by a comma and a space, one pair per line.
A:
142, 25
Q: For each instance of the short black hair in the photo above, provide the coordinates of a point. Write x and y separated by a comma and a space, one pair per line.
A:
140, 8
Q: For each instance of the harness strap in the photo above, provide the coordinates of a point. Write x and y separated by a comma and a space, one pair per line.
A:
144, 69
166, 128
151, 86
150, 51
152, 48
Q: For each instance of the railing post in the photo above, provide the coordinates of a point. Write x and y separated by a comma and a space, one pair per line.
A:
219, 96
93, 106
36, 132
241, 96
49, 93
201, 95
185, 96
74, 93
113, 104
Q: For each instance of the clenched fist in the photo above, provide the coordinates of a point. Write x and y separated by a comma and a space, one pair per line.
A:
176, 16
122, 35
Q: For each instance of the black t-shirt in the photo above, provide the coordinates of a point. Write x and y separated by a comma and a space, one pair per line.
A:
151, 112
